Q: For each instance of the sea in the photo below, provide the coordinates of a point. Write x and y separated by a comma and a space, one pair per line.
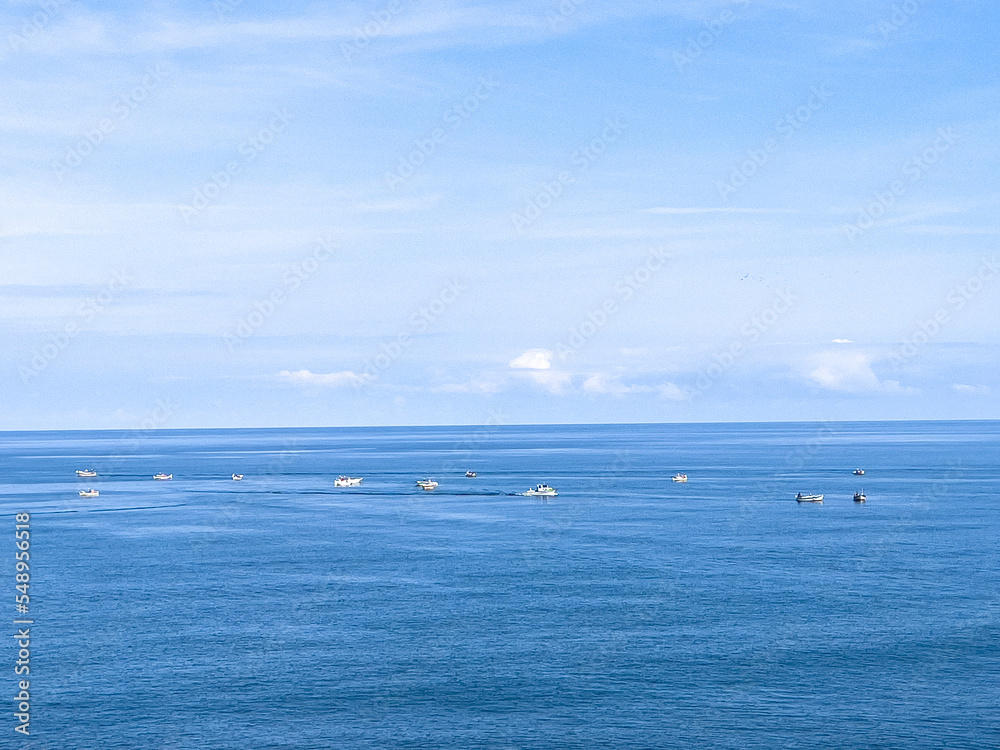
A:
629, 611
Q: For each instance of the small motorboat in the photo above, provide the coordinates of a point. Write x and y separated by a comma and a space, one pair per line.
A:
809, 498
347, 481
859, 472
237, 477
89, 493
470, 474
860, 497
86, 473
426, 484
541, 490
161, 476
679, 477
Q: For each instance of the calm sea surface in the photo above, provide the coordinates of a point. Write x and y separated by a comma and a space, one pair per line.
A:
628, 612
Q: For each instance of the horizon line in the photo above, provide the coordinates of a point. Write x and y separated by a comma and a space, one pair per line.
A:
511, 424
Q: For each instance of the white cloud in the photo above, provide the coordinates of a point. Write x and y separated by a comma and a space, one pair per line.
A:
472, 386
398, 205
601, 383
672, 391
331, 379
971, 390
842, 341
850, 372
533, 359
716, 210
553, 381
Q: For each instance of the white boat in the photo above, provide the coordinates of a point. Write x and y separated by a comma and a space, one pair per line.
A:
426, 484
86, 473
89, 493
809, 498
237, 477
859, 472
347, 481
860, 497
541, 490
470, 474
161, 476
680, 477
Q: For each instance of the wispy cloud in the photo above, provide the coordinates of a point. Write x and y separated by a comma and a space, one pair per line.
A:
684, 210
454, 23
602, 383
329, 379
533, 359
850, 372
484, 387
398, 205
554, 381
972, 390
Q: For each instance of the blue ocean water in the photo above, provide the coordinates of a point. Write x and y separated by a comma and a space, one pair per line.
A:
628, 612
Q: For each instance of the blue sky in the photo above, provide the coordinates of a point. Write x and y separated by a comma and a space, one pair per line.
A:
403, 212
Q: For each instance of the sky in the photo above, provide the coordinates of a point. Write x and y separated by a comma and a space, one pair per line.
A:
236, 214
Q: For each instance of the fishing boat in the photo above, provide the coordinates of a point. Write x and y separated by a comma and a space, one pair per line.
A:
86, 473
541, 490
343, 481
426, 484
470, 474
679, 477
162, 477
809, 498
237, 477
859, 472
860, 497
89, 493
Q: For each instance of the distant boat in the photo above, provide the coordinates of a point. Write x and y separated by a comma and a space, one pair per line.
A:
859, 472
86, 473
860, 497
470, 474
542, 490
809, 498
426, 484
237, 477
161, 476
679, 477
89, 493
343, 481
